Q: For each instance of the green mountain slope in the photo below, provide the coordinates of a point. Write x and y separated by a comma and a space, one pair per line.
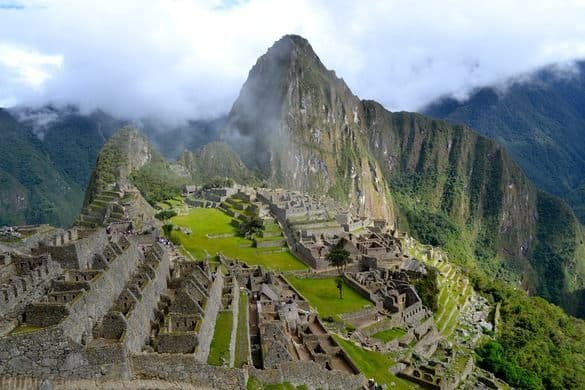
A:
34, 189
66, 143
301, 127
216, 160
74, 140
541, 122
46, 166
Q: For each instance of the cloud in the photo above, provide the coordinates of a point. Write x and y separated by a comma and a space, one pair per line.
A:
180, 59
28, 67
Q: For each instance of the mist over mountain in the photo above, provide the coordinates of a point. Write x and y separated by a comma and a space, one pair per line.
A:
47, 158
400, 54
540, 119
50, 152
497, 248
301, 127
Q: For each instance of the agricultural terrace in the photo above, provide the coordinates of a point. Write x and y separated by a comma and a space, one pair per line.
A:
454, 291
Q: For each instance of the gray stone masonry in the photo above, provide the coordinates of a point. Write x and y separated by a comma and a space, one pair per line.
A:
185, 367
309, 374
59, 350
210, 315
28, 286
76, 254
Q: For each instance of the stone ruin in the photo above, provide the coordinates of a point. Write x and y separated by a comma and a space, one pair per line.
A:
393, 296
75, 289
284, 330
437, 373
96, 303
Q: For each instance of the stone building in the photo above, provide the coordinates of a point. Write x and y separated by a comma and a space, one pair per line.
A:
286, 329
85, 287
392, 294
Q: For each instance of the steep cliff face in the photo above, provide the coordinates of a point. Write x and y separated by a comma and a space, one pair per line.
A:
453, 170
539, 118
302, 128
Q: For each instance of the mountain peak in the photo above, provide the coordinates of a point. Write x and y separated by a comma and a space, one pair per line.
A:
290, 42
291, 52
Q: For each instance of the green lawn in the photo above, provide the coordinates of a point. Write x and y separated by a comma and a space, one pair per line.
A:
219, 353
203, 221
374, 365
242, 339
25, 329
254, 384
390, 334
323, 295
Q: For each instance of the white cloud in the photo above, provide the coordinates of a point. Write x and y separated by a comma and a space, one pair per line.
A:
180, 58
29, 67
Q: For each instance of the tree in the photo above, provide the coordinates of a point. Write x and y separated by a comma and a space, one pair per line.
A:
340, 287
427, 288
165, 215
167, 229
251, 227
492, 356
339, 256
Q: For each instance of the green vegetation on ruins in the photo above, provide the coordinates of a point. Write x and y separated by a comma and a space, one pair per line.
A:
541, 346
219, 353
212, 232
323, 296
242, 340
389, 334
157, 183
374, 364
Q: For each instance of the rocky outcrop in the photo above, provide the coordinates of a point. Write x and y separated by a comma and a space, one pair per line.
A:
302, 128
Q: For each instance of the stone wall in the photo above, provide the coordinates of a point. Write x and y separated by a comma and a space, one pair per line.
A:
236, 310
44, 353
139, 320
185, 367
305, 255
59, 350
369, 312
208, 324
28, 383
27, 288
77, 254
310, 374
270, 243
384, 324
104, 290
358, 287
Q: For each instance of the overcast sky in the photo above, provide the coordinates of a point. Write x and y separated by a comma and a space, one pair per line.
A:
188, 59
